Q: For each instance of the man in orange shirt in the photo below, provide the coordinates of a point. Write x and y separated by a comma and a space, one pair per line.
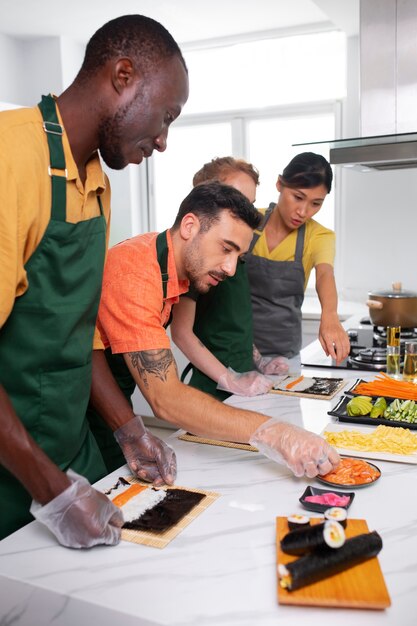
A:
54, 214
144, 277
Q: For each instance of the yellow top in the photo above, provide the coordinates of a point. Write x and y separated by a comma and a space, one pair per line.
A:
319, 247
25, 198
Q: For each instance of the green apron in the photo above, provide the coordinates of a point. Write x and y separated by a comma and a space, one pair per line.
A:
46, 343
110, 449
223, 323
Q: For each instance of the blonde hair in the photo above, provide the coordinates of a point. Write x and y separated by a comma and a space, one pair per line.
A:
221, 167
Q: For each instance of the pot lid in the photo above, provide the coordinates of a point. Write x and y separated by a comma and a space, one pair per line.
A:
392, 294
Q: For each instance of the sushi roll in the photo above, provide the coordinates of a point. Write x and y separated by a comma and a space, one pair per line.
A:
298, 521
328, 534
325, 562
338, 514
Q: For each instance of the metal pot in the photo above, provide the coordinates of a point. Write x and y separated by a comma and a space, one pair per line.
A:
393, 308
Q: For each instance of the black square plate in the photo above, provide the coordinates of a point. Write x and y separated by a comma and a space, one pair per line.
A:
340, 411
320, 508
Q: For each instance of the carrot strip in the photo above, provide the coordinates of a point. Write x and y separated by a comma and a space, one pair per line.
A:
122, 498
383, 385
294, 382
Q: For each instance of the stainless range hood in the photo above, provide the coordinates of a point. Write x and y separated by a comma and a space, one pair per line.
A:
388, 89
382, 152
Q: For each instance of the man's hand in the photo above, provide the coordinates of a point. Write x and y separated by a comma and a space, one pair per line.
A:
301, 450
148, 457
80, 516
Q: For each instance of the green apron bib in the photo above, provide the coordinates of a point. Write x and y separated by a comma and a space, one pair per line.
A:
110, 449
46, 343
223, 323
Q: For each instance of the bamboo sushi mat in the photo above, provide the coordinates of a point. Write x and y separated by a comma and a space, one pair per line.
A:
316, 396
214, 442
160, 540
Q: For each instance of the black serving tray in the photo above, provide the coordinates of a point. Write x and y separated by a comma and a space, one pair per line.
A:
340, 412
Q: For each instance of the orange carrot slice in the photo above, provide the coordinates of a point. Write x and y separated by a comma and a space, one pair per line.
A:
122, 498
294, 382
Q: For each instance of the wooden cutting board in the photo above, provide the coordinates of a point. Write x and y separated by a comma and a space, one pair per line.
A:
360, 587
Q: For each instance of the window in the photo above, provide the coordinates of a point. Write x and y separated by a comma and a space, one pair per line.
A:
270, 149
252, 100
189, 148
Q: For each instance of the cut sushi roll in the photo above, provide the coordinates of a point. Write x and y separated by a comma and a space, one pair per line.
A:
338, 514
298, 521
326, 562
329, 534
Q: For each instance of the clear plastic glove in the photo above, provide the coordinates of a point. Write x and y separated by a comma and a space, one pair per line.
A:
80, 516
247, 384
148, 457
300, 450
270, 365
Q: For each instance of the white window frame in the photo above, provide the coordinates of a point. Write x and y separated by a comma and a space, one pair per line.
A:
239, 120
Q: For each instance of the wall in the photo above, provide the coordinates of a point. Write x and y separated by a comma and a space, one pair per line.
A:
377, 216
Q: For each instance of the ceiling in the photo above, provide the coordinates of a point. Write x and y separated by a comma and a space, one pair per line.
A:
187, 20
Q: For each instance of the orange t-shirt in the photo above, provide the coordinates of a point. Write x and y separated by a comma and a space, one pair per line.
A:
133, 309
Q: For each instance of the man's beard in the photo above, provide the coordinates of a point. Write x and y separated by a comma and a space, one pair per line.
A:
194, 269
193, 265
109, 138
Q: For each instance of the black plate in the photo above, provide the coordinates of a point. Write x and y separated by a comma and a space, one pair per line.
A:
320, 508
340, 412
322, 480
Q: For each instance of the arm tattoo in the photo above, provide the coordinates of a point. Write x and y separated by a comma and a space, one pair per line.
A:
156, 362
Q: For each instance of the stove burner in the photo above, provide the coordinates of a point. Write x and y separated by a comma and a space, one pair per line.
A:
366, 351
370, 358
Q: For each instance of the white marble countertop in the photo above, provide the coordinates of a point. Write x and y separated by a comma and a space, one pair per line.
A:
220, 570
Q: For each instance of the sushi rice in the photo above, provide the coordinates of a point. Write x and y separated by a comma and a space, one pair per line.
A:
136, 506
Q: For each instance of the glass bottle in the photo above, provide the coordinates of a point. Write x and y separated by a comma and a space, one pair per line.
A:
410, 361
393, 351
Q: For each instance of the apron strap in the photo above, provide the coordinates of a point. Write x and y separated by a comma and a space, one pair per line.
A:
256, 236
299, 246
54, 132
162, 255
188, 368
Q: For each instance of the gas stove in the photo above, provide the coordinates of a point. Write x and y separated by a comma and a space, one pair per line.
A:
368, 345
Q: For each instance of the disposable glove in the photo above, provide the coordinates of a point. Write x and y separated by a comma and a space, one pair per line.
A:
247, 384
148, 457
80, 516
300, 450
270, 365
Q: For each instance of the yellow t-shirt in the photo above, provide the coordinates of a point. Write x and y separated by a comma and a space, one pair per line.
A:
319, 247
25, 198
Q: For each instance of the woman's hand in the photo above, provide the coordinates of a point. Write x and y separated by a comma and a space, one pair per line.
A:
333, 338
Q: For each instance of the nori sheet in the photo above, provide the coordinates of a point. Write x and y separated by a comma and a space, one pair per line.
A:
176, 504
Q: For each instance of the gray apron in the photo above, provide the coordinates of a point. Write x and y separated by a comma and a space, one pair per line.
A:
277, 293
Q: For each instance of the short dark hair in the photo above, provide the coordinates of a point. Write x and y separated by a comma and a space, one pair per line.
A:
220, 167
139, 37
307, 170
208, 200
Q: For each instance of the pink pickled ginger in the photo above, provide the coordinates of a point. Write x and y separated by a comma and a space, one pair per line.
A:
331, 499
